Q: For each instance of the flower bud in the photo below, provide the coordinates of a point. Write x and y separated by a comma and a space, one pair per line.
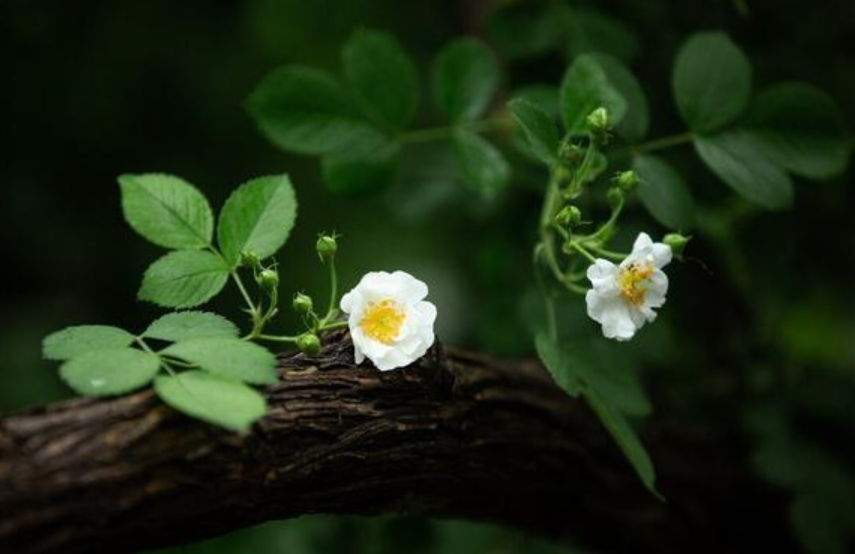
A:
628, 181
569, 216
268, 279
614, 197
326, 247
302, 303
677, 242
248, 258
309, 344
570, 154
598, 121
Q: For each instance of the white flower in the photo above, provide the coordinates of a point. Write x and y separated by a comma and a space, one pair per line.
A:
623, 297
389, 320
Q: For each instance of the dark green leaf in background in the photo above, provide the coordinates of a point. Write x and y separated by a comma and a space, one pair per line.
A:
109, 372
307, 111
361, 171
167, 210
538, 127
712, 81
383, 77
482, 165
663, 192
739, 160
800, 128
184, 279
201, 395
584, 88
635, 122
464, 79
258, 216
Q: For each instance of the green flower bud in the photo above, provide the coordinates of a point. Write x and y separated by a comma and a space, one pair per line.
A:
268, 279
570, 154
326, 247
309, 344
248, 258
614, 197
569, 216
598, 121
302, 303
628, 181
677, 242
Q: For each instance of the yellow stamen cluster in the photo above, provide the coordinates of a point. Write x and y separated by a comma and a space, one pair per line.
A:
633, 280
382, 321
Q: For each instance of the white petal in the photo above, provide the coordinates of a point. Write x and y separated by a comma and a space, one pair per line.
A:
346, 303
657, 288
602, 276
661, 254
642, 242
617, 323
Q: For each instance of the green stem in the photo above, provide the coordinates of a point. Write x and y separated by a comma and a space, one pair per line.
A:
608, 253
278, 338
332, 310
658, 144
442, 133
582, 250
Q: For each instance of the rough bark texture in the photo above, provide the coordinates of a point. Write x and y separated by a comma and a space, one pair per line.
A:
454, 435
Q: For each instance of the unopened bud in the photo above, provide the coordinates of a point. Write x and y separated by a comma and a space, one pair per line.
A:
677, 242
309, 344
570, 154
326, 247
302, 303
569, 216
268, 279
248, 258
628, 181
614, 197
598, 121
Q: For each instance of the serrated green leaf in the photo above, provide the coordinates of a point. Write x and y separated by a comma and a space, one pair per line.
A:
712, 81
184, 279
800, 128
228, 357
383, 77
626, 438
558, 365
358, 172
212, 399
167, 210
258, 216
538, 127
80, 339
738, 160
664, 193
109, 372
464, 79
483, 166
181, 326
635, 122
305, 110
584, 88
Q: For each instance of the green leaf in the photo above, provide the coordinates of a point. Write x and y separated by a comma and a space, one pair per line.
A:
635, 122
584, 88
664, 193
558, 364
594, 31
483, 167
211, 398
359, 172
464, 79
739, 161
305, 110
184, 279
81, 339
167, 210
258, 216
228, 357
525, 29
712, 81
180, 326
383, 77
800, 128
626, 438
538, 127
109, 372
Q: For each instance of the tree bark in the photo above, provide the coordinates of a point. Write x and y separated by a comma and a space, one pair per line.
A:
454, 435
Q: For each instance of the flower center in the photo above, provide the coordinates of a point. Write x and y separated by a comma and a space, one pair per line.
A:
382, 321
633, 281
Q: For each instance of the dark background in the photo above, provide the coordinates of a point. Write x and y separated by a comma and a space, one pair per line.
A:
95, 89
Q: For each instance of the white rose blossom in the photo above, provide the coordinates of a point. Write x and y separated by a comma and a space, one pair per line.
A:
390, 322
624, 296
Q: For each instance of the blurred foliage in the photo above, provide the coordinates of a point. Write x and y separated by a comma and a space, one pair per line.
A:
762, 313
